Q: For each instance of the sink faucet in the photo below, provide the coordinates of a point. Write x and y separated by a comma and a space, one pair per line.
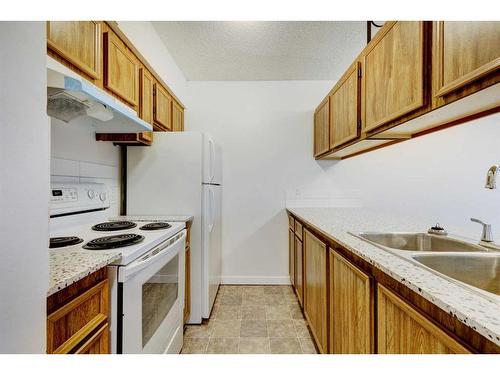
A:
486, 236
491, 177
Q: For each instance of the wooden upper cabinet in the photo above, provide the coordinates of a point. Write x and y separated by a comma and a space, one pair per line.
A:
403, 330
316, 288
162, 108
345, 108
78, 42
322, 128
351, 308
121, 69
146, 95
393, 73
177, 117
464, 51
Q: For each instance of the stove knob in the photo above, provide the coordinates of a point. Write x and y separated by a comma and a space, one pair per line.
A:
91, 194
102, 196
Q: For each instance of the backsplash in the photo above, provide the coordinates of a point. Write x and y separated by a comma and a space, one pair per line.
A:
322, 197
77, 157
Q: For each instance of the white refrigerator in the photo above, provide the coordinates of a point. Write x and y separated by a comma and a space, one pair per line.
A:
181, 174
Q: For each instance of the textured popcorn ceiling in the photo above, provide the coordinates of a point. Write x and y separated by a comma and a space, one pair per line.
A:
256, 50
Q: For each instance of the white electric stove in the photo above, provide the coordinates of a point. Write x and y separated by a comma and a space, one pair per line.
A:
147, 282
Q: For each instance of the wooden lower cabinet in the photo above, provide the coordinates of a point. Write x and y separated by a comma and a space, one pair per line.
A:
316, 288
403, 330
291, 256
351, 308
77, 320
98, 343
299, 268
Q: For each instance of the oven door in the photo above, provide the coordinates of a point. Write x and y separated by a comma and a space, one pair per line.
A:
151, 290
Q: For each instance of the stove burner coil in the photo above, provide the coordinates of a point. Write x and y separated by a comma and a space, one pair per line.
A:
113, 242
56, 242
156, 226
114, 225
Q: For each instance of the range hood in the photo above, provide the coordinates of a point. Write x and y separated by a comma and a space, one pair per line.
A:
70, 96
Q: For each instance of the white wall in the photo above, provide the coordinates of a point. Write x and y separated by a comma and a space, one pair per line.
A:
24, 187
437, 177
265, 129
77, 157
147, 41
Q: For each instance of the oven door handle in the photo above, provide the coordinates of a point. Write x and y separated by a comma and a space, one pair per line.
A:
152, 256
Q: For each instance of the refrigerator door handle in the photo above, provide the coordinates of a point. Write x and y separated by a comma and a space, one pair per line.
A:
212, 210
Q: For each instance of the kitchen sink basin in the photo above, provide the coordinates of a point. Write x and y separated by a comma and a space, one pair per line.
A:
419, 242
481, 271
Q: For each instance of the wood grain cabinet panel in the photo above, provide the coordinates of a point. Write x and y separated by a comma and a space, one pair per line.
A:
322, 128
464, 52
146, 95
299, 270
403, 330
291, 256
162, 108
393, 73
98, 343
351, 308
78, 42
345, 108
316, 288
177, 117
73, 322
121, 70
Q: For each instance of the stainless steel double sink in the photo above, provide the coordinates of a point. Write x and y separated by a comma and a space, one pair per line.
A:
447, 256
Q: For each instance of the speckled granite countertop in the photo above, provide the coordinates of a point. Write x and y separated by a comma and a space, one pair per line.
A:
480, 313
67, 267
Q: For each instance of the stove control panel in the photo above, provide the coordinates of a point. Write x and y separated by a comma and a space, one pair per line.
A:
64, 195
66, 198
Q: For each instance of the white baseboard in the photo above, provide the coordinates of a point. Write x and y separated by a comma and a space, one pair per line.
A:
256, 280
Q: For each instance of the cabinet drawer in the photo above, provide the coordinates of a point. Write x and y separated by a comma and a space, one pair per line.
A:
298, 229
73, 322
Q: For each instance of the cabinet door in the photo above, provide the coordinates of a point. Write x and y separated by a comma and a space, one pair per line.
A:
322, 128
177, 117
78, 42
345, 109
146, 96
299, 277
316, 288
162, 108
350, 308
291, 256
73, 322
393, 73
464, 52
98, 343
121, 70
403, 330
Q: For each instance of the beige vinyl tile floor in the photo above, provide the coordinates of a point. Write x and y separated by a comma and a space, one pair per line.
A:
248, 319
